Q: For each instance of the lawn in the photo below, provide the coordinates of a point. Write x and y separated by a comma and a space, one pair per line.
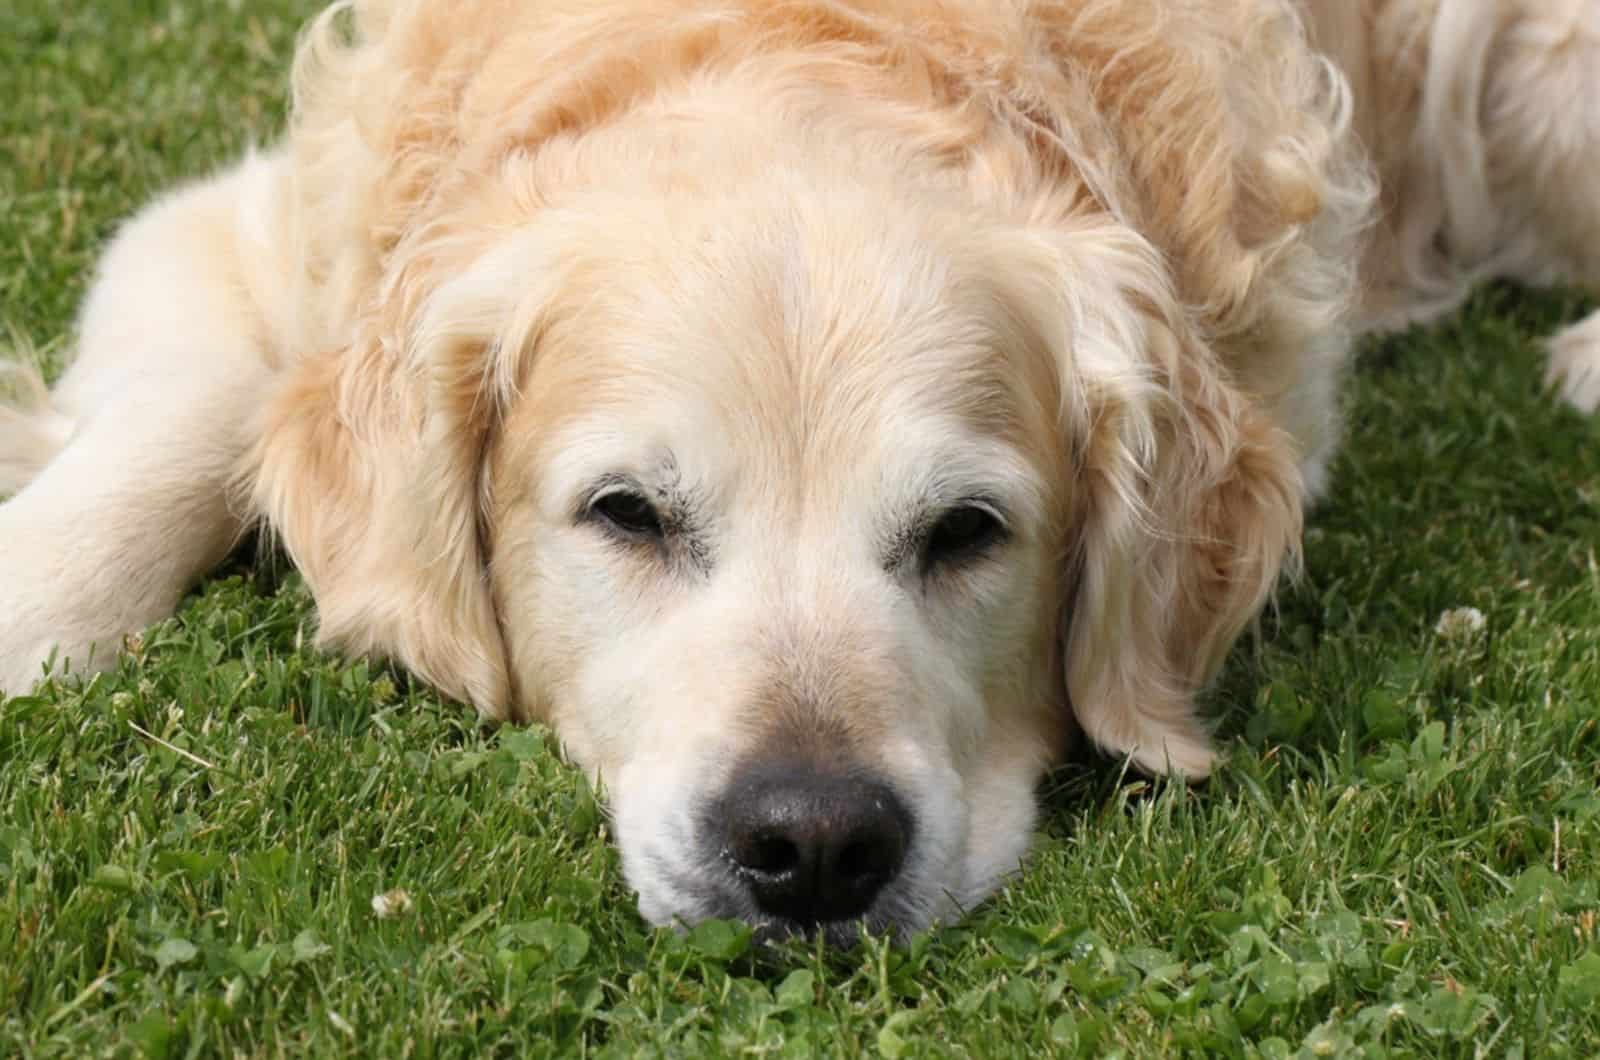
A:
1401, 855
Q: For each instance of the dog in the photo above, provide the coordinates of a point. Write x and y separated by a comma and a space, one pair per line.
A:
820, 412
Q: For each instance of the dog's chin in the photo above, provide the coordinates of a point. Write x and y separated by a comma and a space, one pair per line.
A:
892, 916
838, 934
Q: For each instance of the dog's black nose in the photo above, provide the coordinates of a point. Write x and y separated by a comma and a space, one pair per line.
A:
813, 846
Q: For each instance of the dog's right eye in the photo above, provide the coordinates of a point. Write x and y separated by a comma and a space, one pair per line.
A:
630, 512
964, 531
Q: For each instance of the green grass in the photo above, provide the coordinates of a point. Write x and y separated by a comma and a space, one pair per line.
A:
1402, 854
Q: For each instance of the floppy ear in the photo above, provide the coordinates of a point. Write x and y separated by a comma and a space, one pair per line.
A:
1187, 500
369, 470
1184, 533
1224, 144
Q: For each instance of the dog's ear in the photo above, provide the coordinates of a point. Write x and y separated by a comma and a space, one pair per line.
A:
1225, 147
1189, 509
1183, 499
369, 470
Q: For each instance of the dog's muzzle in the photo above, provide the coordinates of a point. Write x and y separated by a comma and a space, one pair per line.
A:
808, 845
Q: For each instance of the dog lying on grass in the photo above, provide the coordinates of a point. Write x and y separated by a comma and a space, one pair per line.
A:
818, 411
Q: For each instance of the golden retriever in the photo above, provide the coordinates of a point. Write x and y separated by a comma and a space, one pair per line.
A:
818, 411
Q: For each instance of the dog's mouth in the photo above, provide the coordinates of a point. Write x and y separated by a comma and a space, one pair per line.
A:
891, 915
838, 934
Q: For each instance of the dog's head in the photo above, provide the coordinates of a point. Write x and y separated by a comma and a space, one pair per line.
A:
775, 533
810, 520
814, 498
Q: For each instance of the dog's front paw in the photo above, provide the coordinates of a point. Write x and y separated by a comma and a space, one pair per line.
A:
46, 621
28, 641
35, 642
1574, 367
21, 667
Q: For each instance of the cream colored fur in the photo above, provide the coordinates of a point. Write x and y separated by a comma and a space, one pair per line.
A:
808, 275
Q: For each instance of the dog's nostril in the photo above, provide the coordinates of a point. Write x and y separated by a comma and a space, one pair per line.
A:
868, 858
813, 846
768, 854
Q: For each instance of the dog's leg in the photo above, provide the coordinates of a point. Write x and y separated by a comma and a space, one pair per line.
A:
1574, 368
1541, 116
121, 475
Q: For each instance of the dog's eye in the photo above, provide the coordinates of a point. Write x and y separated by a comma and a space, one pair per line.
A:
961, 532
630, 512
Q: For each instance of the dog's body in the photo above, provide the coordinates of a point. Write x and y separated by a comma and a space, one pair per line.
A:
810, 408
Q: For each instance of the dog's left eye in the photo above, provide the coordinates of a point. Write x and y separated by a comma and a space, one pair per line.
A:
962, 532
630, 512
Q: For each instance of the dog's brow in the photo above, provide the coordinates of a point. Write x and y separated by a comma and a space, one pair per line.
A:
662, 483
